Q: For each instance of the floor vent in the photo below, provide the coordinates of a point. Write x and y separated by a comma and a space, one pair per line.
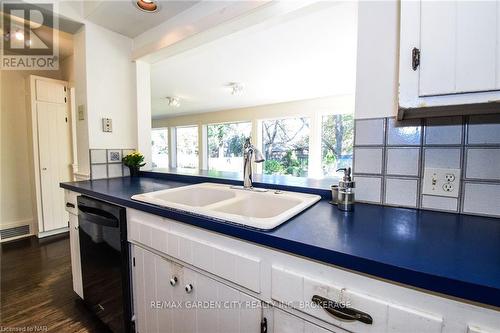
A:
14, 232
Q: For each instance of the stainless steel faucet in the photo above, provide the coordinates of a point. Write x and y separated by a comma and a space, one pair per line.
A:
249, 152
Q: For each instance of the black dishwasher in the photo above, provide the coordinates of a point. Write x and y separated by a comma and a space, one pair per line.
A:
104, 255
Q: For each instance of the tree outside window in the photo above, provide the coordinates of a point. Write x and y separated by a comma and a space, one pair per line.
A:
159, 147
286, 146
336, 142
187, 147
225, 145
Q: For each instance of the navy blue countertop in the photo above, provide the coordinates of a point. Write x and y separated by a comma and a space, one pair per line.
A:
452, 254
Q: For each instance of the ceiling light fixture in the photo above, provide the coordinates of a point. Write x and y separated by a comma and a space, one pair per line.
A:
173, 101
236, 88
19, 35
148, 6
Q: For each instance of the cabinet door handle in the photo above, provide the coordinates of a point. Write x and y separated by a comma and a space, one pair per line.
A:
173, 281
189, 288
341, 311
70, 205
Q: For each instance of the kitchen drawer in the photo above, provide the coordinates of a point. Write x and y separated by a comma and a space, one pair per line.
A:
70, 202
297, 290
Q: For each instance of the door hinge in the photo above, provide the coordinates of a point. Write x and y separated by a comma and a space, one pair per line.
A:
133, 261
263, 325
64, 99
66, 118
415, 58
64, 88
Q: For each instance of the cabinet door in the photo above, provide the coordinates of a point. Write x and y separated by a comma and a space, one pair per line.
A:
284, 322
458, 45
74, 245
194, 303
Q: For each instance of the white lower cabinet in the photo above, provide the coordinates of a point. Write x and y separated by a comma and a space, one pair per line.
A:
284, 322
74, 245
223, 269
171, 298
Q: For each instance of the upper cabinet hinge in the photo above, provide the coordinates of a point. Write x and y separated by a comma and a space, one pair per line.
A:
64, 99
415, 58
65, 89
133, 261
263, 325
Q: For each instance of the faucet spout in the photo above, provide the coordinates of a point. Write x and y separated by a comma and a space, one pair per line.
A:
249, 153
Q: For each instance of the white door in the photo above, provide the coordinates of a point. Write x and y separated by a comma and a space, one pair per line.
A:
458, 45
54, 156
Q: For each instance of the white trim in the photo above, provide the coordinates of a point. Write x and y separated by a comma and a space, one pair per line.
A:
52, 232
74, 144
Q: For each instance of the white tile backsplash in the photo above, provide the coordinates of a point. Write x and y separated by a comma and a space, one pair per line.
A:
484, 129
403, 161
401, 192
115, 170
368, 160
369, 132
443, 131
404, 133
442, 158
471, 144
483, 163
368, 189
482, 199
98, 156
439, 203
99, 171
107, 163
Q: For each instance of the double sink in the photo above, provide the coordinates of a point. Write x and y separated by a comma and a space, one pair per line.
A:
256, 209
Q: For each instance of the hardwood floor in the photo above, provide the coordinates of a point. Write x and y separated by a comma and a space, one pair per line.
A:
36, 288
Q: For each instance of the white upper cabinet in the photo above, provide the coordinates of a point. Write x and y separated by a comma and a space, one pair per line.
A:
449, 56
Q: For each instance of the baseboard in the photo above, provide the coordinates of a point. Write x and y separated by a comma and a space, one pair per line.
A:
52, 232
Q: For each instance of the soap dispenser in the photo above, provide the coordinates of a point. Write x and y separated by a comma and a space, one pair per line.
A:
345, 200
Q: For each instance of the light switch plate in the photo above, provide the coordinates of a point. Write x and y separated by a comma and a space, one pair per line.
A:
81, 112
441, 182
107, 125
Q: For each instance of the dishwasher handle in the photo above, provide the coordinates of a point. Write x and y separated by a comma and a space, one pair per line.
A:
98, 216
341, 311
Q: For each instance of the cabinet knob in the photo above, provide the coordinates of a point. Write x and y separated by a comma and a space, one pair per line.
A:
173, 281
189, 288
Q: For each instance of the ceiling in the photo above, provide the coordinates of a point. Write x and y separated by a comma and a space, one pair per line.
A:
123, 16
309, 54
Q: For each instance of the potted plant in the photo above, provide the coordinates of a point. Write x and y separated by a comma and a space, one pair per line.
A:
134, 161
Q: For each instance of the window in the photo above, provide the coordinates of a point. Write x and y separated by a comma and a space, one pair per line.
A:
225, 145
159, 147
286, 146
187, 147
336, 142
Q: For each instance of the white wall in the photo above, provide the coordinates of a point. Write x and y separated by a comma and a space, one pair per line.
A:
110, 85
377, 64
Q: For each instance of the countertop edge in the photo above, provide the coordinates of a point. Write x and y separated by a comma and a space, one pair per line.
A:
428, 282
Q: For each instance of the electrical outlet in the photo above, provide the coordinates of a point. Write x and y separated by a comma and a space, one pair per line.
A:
107, 125
441, 182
